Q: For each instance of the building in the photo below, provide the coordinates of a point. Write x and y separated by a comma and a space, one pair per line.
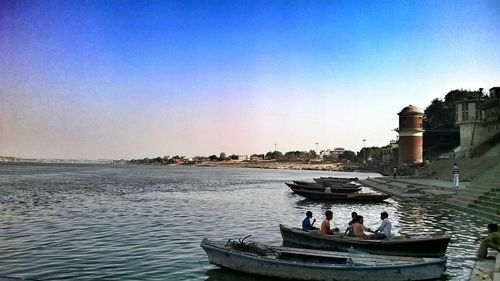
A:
390, 154
491, 113
411, 135
468, 115
478, 120
337, 152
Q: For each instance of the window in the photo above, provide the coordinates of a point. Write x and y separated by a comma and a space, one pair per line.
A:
465, 111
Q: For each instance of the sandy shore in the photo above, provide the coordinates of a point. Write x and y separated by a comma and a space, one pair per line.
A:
276, 165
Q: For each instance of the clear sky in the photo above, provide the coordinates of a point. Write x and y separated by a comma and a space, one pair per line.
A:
134, 79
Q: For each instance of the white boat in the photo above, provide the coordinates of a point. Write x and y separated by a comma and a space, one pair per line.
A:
307, 264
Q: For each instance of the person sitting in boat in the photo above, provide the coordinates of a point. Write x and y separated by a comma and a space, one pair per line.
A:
359, 229
491, 241
384, 230
306, 223
325, 225
348, 230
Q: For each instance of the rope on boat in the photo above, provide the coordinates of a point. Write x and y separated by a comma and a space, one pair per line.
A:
251, 247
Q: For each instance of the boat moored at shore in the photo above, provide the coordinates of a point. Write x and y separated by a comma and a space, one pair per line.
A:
307, 264
321, 188
338, 196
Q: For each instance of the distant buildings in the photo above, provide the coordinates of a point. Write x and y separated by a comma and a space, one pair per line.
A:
61, 161
390, 154
478, 120
7, 159
337, 152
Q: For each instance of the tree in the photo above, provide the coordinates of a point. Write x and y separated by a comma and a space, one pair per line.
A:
312, 154
222, 156
277, 155
212, 157
373, 152
294, 155
348, 155
441, 113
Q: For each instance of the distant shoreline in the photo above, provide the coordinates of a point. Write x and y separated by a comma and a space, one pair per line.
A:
338, 167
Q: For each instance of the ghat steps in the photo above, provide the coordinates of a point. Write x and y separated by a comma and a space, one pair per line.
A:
479, 192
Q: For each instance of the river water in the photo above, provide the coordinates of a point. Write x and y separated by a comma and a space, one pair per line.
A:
127, 222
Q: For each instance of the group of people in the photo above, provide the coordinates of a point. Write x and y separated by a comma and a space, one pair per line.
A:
355, 227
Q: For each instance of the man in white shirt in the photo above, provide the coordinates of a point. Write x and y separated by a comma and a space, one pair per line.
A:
455, 171
384, 230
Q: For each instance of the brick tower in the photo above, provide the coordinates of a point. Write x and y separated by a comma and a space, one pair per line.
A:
411, 135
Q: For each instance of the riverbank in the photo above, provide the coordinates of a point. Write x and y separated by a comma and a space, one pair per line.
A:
271, 164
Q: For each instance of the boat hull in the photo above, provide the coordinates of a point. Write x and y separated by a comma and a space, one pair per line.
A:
321, 188
297, 270
434, 247
311, 194
335, 180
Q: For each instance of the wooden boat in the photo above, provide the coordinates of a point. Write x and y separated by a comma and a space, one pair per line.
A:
331, 184
334, 180
413, 246
321, 188
309, 183
312, 194
306, 264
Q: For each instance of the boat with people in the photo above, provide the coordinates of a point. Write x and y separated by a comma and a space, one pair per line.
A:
338, 196
434, 245
307, 264
322, 188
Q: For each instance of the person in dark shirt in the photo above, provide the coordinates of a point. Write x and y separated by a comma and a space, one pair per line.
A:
306, 223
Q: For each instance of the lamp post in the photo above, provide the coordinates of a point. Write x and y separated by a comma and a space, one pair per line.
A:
364, 152
316, 148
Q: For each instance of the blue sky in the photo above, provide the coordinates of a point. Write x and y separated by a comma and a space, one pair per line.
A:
130, 79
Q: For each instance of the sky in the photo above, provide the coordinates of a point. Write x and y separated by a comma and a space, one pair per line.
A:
134, 79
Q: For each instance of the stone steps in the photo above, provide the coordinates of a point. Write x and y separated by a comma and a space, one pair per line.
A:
490, 201
488, 209
485, 186
464, 200
491, 194
469, 168
479, 213
484, 197
480, 198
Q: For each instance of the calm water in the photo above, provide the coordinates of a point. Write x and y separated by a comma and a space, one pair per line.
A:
86, 222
